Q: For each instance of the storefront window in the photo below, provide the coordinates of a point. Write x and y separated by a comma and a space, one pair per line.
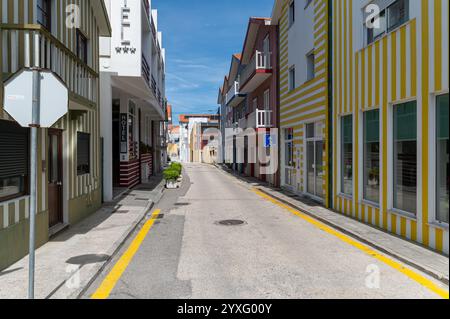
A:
405, 157
347, 155
442, 158
372, 156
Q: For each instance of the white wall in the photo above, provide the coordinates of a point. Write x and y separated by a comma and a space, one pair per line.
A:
301, 40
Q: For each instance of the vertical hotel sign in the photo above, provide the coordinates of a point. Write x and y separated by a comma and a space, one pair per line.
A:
125, 30
123, 133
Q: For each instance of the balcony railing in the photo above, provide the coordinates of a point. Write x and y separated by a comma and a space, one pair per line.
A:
146, 70
264, 119
260, 61
234, 90
41, 49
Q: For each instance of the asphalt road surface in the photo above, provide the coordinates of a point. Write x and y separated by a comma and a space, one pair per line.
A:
273, 254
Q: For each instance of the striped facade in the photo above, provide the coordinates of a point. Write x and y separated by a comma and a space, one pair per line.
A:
308, 101
408, 64
25, 43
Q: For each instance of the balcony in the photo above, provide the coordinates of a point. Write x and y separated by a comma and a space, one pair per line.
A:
256, 72
264, 119
79, 77
260, 119
233, 97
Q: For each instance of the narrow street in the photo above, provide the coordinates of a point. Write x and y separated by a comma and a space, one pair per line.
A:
274, 254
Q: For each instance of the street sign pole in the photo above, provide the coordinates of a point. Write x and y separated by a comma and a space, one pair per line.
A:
24, 95
33, 178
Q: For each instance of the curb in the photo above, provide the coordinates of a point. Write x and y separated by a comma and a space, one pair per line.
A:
436, 275
122, 240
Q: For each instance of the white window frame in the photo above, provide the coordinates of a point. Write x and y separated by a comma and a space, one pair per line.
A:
433, 151
390, 161
360, 154
386, 10
291, 13
340, 192
318, 126
284, 167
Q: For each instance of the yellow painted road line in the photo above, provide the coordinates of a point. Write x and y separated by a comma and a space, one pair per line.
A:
119, 268
366, 249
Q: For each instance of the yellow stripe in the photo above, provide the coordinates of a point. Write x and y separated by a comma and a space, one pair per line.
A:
119, 268
413, 59
394, 66
403, 226
439, 239
403, 62
367, 250
438, 43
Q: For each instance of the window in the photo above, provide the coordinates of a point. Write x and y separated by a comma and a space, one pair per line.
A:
83, 153
310, 61
292, 13
391, 17
292, 78
289, 156
372, 156
442, 158
14, 160
347, 155
44, 13
405, 157
82, 47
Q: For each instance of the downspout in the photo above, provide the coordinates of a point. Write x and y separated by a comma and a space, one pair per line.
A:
330, 104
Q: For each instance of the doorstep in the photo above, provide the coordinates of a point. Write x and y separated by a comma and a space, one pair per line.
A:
408, 252
71, 260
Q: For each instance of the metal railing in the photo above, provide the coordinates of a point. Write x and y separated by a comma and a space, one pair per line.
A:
146, 70
259, 61
264, 118
41, 49
234, 90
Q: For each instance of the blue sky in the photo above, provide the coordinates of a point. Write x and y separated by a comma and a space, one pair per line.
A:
200, 36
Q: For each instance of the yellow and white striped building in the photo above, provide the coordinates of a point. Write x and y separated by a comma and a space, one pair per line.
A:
406, 62
303, 32
27, 39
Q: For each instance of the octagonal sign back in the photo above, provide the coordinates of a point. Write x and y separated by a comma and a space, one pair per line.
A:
18, 98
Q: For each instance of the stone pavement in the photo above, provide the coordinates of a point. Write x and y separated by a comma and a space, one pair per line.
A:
71, 260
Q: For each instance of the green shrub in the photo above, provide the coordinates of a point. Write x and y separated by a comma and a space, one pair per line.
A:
171, 174
176, 167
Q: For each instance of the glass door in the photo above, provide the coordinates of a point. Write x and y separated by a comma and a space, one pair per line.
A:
314, 160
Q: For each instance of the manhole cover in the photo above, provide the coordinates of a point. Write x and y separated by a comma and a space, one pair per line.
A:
231, 222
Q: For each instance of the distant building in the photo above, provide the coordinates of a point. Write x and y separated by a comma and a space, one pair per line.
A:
186, 124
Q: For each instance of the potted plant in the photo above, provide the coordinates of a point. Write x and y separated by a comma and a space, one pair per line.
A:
172, 175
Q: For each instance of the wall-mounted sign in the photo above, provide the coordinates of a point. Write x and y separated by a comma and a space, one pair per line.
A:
123, 133
125, 24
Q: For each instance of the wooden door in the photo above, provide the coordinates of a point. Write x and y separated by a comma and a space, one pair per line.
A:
55, 181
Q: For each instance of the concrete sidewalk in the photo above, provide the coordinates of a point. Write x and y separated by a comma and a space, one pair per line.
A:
421, 258
71, 260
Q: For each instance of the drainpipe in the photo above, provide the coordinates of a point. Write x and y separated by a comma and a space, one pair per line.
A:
330, 104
